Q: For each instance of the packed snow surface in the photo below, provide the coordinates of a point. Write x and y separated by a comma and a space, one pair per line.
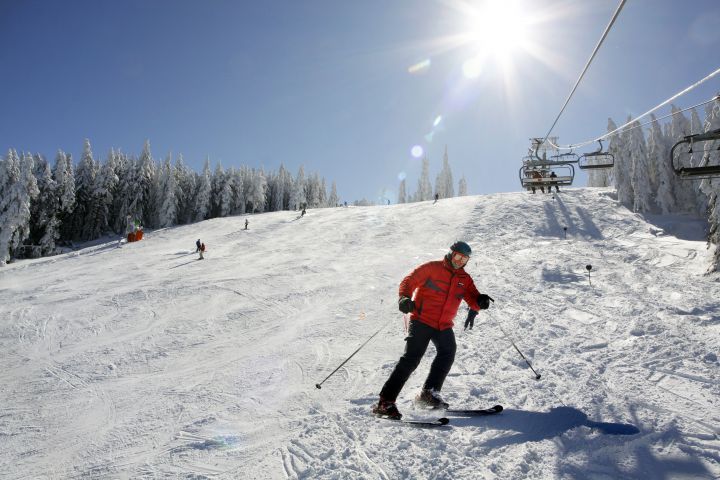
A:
140, 361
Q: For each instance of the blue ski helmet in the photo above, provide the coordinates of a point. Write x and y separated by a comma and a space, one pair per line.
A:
461, 247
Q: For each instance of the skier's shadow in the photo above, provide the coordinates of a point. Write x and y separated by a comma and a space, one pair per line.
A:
536, 426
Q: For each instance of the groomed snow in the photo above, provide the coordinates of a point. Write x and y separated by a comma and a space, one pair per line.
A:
140, 361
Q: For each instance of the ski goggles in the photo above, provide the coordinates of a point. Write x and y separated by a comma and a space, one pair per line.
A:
459, 258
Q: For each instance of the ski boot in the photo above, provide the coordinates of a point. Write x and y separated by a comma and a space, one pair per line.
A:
386, 408
429, 398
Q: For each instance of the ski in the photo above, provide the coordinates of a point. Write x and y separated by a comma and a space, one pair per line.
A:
418, 423
474, 412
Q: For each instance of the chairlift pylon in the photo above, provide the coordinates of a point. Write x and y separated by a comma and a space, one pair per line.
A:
596, 160
704, 169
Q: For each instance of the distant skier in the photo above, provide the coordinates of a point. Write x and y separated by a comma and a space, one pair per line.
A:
202, 250
303, 212
438, 287
246, 223
197, 246
437, 196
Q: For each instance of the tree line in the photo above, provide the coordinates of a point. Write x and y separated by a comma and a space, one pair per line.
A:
644, 178
44, 207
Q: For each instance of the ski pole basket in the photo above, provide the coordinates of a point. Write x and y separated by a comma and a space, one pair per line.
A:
702, 146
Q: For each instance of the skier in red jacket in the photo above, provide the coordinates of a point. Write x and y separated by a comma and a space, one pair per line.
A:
439, 286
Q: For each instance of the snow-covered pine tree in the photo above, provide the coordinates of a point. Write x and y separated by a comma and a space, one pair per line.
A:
18, 188
402, 194
185, 181
147, 183
658, 155
225, 194
711, 187
643, 199
84, 186
129, 193
282, 190
64, 176
100, 212
701, 200
202, 195
257, 190
313, 191
239, 188
168, 188
333, 200
685, 197
462, 187
217, 184
43, 210
322, 194
622, 171
447, 177
297, 197
424, 191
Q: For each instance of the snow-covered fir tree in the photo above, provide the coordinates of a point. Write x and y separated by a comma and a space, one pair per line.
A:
18, 188
402, 195
462, 187
640, 179
99, 215
203, 193
657, 146
256, 191
297, 197
444, 181
85, 174
185, 181
333, 199
168, 188
424, 191
44, 224
64, 176
146, 179
623, 168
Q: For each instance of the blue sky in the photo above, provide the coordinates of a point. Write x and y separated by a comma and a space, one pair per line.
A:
330, 84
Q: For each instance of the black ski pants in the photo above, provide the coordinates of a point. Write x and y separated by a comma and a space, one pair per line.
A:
419, 336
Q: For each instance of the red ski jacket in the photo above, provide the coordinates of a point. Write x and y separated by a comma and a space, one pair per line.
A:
439, 289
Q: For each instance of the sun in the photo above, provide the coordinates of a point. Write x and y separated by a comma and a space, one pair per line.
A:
498, 28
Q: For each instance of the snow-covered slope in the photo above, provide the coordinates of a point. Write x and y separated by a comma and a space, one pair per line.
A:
142, 362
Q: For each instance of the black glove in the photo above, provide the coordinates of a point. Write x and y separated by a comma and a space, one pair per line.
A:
470, 320
484, 301
406, 305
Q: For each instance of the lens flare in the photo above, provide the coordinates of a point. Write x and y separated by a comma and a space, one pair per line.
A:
402, 176
437, 121
419, 67
416, 151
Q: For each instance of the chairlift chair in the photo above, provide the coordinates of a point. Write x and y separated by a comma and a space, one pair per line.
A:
709, 151
596, 160
565, 175
566, 158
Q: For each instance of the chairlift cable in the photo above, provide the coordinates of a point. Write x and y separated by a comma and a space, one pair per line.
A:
622, 127
587, 65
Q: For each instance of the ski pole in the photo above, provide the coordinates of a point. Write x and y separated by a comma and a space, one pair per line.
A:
319, 385
537, 375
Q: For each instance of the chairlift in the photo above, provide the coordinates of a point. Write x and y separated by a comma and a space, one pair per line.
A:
538, 176
566, 158
596, 160
707, 151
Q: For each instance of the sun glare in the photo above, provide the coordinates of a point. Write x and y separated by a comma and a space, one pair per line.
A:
498, 28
